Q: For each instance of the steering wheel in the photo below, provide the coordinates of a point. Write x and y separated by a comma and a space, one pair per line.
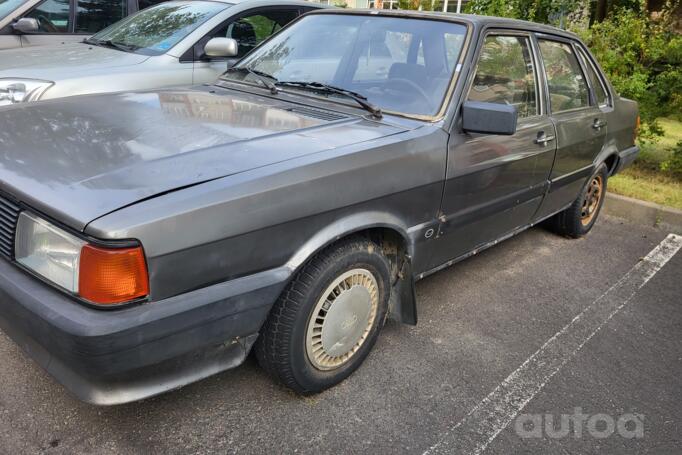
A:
412, 85
47, 24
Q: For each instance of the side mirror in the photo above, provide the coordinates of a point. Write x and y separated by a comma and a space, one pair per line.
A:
26, 25
489, 118
221, 47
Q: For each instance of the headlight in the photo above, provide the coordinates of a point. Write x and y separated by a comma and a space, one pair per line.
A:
103, 276
13, 91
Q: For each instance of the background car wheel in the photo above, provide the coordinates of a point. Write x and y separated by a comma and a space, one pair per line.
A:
328, 318
578, 219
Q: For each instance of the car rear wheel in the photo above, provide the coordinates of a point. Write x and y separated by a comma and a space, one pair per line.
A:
580, 217
326, 321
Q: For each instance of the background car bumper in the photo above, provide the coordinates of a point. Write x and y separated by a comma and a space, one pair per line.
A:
118, 356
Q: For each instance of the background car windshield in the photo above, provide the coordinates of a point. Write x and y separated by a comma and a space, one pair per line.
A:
7, 6
400, 65
157, 29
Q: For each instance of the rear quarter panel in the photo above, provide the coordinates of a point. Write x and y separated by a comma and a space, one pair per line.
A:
622, 122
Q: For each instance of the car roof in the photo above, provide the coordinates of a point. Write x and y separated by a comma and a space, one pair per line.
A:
476, 20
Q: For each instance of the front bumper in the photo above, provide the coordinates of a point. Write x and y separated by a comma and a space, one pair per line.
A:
119, 356
626, 158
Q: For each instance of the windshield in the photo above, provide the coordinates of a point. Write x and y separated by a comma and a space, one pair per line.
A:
7, 6
402, 65
155, 30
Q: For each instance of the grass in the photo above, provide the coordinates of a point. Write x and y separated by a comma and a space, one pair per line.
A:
649, 186
644, 179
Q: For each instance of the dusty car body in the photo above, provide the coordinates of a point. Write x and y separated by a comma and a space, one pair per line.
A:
290, 216
143, 51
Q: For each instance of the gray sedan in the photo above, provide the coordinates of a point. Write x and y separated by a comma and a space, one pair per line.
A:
161, 46
151, 239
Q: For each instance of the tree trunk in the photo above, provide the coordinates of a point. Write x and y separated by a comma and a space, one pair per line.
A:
601, 11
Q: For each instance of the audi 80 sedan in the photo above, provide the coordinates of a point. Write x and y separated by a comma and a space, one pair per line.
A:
152, 239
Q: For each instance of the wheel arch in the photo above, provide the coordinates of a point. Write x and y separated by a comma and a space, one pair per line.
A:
608, 156
391, 234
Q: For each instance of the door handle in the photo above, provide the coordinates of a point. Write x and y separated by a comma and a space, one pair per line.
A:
598, 124
543, 139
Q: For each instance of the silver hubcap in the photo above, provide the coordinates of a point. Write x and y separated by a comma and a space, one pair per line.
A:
342, 319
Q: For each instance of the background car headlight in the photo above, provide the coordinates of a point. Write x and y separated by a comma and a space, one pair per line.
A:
103, 276
14, 91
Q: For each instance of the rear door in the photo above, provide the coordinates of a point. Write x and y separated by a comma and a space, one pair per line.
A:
580, 122
248, 29
494, 183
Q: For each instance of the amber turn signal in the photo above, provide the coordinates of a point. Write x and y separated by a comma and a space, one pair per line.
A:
109, 276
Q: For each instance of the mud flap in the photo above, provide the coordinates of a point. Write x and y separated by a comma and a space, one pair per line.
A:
403, 302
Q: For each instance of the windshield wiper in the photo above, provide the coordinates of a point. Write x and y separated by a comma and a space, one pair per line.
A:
112, 44
326, 88
268, 80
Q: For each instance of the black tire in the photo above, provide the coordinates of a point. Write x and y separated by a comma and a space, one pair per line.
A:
281, 349
573, 222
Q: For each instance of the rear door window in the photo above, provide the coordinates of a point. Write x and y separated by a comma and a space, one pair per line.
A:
95, 15
52, 16
505, 74
567, 85
600, 93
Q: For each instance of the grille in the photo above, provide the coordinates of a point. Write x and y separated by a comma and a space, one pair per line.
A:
9, 213
314, 113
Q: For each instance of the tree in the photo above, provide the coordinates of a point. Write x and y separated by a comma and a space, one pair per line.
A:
422, 5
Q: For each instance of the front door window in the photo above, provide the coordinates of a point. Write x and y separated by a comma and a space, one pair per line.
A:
52, 16
505, 74
251, 30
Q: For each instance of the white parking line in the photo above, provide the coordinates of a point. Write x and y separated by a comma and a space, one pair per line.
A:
495, 412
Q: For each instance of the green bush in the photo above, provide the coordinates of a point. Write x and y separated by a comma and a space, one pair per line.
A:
642, 58
545, 11
674, 163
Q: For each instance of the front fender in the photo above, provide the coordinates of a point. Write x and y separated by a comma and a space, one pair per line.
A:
402, 302
344, 227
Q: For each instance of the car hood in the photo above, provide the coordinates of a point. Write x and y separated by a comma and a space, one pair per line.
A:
79, 158
61, 61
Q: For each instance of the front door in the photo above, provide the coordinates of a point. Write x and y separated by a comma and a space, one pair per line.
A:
580, 123
495, 184
8, 40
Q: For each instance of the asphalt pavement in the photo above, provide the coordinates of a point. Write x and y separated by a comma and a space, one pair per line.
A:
512, 338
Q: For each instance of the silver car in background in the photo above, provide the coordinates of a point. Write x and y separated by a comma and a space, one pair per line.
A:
162, 46
26, 23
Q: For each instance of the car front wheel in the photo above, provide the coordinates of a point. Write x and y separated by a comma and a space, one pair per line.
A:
325, 323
